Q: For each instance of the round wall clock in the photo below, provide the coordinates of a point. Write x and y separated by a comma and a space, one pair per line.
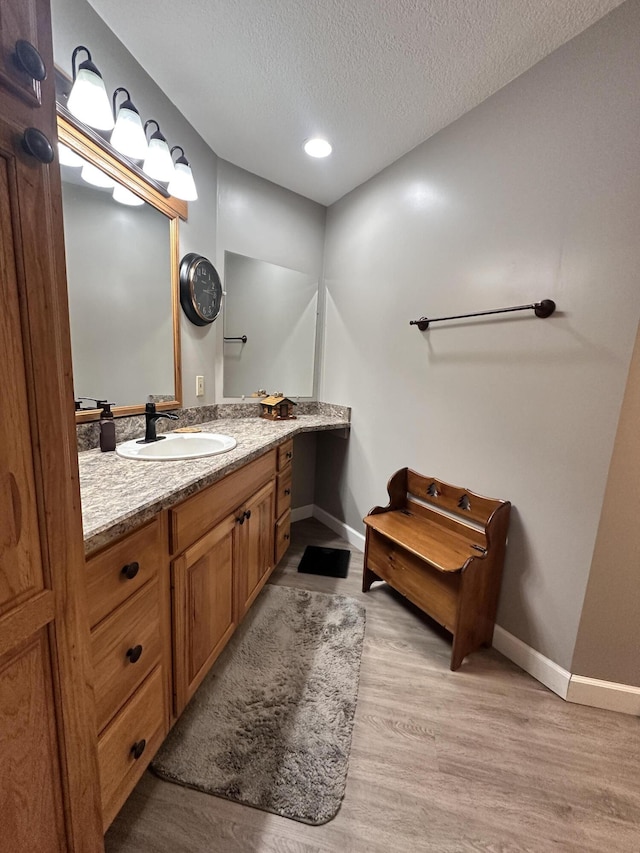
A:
200, 289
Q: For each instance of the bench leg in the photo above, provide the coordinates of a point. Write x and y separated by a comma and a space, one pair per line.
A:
368, 577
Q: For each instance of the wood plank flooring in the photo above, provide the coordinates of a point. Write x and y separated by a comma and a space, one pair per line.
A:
483, 759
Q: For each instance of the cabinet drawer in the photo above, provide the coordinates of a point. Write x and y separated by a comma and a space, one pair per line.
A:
283, 494
141, 723
121, 569
283, 536
125, 647
285, 454
193, 518
433, 591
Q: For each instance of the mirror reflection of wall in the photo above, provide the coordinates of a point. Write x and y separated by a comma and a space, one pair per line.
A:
120, 307
276, 308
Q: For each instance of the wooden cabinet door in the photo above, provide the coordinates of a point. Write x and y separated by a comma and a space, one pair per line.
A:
256, 550
49, 796
204, 612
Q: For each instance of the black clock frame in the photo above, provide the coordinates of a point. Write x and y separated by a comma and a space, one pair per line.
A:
188, 266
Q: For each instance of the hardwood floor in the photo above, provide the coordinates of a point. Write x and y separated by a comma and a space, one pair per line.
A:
482, 759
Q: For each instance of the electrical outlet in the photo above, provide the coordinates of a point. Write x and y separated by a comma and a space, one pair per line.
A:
199, 386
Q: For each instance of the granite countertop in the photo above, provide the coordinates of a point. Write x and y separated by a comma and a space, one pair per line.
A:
119, 494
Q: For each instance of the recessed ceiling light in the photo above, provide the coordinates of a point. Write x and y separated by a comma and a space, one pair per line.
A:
317, 147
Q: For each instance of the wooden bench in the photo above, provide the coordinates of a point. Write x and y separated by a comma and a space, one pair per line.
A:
443, 548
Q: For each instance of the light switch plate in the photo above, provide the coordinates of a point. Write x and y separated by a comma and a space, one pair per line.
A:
199, 386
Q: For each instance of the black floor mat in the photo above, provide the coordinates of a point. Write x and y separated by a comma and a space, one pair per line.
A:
332, 562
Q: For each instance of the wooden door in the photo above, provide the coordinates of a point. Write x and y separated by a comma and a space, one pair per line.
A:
204, 614
49, 798
257, 546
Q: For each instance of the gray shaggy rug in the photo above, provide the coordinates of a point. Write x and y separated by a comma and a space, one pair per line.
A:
271, 724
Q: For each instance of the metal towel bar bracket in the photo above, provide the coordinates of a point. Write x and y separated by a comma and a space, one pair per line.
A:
542, 309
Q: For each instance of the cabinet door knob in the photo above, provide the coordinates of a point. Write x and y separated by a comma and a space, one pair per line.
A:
287, 491
286, 536
130, 570
240, 519
138, 748
247, 513
28, 59
37, 145
134, 653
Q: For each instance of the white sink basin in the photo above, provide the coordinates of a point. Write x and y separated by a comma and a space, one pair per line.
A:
173, 446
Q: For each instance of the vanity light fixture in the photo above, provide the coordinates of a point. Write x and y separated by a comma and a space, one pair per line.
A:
67, 157
128, 137
182, 184
158, 163
88, 99
318, 147
125, 196
97, 178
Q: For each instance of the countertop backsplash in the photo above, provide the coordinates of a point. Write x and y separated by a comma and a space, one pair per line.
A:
133, 426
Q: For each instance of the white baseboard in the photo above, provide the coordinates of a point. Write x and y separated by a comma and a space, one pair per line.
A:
352, 536
604, 694
301, 512
541, 668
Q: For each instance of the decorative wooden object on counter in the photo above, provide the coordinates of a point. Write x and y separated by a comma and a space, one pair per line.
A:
443, 548
277, 408
128, 593
49, 797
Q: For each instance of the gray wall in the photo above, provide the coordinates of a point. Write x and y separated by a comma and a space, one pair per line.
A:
532, 195
74, 23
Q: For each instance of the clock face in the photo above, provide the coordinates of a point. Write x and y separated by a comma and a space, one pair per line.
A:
200, 289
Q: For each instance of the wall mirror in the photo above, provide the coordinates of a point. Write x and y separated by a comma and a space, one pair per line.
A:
121, 244
270, 319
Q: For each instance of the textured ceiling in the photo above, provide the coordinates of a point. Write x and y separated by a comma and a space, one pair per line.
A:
375, 77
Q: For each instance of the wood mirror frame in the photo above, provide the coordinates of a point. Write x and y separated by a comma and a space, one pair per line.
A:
97, 151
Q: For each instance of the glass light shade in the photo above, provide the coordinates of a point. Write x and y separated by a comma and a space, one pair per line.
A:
182, 184
125, 196
88, 100
67, 157
128, 136
318, 147
94, 176
158, 163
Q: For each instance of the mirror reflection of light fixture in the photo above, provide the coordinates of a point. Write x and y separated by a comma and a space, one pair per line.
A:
96, 177
88, 99
128, 137
67, 157
125, 196
158, 163
182, 184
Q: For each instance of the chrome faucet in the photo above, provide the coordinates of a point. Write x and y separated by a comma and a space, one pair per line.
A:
151, 417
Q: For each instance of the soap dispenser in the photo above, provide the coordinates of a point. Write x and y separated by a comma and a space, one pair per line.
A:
107, 428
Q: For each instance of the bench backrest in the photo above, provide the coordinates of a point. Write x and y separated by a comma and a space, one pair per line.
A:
461, 503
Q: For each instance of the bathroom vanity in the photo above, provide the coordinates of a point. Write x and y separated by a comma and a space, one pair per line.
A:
177, 552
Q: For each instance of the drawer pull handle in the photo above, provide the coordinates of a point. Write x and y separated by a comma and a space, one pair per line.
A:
138, 748
130, 570
289, 454
134, 653
29, 60
36, 144
247, 513
287, 491
286, 536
